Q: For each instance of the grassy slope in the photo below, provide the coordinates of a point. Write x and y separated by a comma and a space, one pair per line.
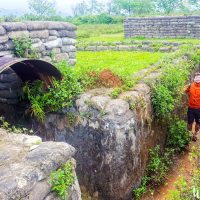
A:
121, 63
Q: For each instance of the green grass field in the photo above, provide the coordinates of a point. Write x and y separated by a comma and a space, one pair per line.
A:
121, 63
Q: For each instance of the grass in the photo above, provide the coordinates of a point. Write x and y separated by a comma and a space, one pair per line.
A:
121, 63
97, 32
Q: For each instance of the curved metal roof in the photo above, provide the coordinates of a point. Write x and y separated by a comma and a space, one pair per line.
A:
31, 69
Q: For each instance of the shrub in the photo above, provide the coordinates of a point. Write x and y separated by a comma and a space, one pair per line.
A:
178, 135
62, 180
162, 101
138, 192
156, 171
158, 165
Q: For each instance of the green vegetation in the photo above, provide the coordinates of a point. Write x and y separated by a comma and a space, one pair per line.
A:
188, 189
61, 95
23, 47
156, 171
13, 129
116, 92
166, 98
178, 135
99, 31
62, 179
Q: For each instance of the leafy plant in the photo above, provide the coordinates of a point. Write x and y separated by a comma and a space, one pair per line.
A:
62, 94
163, 101
13, 129
138, 192
116, 92
62, 179
178, 135
156, 171
23, 47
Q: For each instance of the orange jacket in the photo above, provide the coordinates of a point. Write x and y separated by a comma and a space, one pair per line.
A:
194, 95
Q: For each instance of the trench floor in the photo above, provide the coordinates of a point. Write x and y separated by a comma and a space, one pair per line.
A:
182, 166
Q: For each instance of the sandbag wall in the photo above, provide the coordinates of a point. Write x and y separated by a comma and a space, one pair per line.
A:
49, 38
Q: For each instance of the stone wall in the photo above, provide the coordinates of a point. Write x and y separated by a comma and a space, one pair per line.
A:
25, 166
158, 27
48, 38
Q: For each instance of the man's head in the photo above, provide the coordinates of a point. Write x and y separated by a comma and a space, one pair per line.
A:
197, 77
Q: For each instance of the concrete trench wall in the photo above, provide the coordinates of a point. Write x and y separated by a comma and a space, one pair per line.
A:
48, 38
155, 27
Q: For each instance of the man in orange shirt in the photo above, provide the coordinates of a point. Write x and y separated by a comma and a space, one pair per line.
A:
194, 105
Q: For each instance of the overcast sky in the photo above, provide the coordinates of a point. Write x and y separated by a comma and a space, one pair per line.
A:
22, 5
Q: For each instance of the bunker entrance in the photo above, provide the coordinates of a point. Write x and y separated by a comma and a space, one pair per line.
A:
13, 73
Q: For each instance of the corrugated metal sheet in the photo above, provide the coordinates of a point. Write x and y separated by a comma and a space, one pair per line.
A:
31, 69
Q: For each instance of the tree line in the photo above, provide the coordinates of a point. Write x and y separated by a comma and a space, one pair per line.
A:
117, 7
108, 11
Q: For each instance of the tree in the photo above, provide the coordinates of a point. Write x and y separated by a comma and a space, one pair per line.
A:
80, 9
95, 7
42, 8
168, 6
134, 6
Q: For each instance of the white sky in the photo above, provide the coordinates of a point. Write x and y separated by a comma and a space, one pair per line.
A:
22, 5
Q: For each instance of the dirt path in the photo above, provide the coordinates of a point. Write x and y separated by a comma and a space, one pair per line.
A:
182, 167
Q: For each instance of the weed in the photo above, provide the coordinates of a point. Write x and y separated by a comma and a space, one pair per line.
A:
156, 171
13, 129
116, 92
72, 118
62, 179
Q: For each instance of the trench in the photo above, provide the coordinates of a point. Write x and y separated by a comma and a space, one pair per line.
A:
112, 152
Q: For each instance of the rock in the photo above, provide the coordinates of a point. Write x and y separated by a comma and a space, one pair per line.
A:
24, 173
5, 53
39, 34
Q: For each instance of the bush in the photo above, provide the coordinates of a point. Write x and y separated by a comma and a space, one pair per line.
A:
162, 101
158, 165
62, 180
178, 135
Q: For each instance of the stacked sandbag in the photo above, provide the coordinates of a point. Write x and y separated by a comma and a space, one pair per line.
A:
10, 87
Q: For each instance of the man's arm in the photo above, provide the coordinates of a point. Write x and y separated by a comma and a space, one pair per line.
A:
187, 89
